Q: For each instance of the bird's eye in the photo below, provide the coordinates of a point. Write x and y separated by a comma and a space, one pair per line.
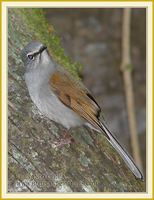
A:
31, 57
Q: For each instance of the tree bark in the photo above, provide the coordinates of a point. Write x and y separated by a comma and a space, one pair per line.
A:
89, 164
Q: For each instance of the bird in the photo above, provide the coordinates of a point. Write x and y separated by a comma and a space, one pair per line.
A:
64, 99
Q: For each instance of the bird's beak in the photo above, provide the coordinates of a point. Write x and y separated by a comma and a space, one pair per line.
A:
42, 49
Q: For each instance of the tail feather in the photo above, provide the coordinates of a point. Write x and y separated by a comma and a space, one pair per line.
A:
125, 156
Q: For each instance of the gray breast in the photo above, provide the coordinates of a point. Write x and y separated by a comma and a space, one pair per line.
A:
47, 102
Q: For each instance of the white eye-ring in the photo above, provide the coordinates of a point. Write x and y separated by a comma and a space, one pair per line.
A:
30, 56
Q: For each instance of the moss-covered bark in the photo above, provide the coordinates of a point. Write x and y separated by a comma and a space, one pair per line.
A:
89, 164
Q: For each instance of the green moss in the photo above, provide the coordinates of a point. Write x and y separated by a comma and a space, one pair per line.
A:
33, 22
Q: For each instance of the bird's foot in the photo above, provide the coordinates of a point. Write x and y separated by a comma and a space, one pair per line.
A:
65, 140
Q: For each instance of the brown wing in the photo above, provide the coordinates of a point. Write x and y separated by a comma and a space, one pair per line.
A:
76, 97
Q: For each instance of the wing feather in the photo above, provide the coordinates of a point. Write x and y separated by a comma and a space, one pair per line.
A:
75, 96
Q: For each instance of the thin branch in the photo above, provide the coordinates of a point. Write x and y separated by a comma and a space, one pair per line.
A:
126, 68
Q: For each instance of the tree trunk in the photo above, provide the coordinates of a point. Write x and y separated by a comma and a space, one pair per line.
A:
89, 164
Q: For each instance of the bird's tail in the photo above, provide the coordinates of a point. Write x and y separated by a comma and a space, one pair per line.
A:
125, 156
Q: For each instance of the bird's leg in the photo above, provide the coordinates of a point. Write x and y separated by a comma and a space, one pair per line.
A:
65, 140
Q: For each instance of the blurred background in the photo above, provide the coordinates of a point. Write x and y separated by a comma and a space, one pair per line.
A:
93, 37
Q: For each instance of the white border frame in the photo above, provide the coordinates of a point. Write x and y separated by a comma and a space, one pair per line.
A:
149, 105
